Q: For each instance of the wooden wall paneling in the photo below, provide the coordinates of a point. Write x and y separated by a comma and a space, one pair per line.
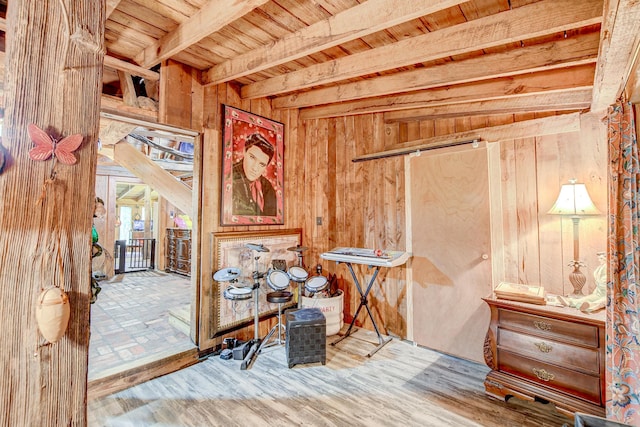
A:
593, 230
311, 136
175, 106
462, 124
196, 230
321, 192
413, 130
329, 218
232, 97
478, 122
369, 189
354, 211
583, 156
552, 251
496, 212
197, 101
509, 209
527, 209
427, 128
209, 197
342, 165
395, 286
339, 235
383, 291
295, 173
214, 97
290, 179
355, 219
570, 168
212, 107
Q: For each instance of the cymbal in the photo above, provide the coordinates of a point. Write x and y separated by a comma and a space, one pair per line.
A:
226, 274
257, 247
297, 248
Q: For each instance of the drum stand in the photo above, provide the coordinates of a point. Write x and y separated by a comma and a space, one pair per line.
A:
255, 342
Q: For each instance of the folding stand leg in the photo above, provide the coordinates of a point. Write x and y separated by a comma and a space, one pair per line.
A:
364, 303
279, 327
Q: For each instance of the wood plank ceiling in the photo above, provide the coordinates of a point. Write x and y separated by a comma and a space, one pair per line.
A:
408, 59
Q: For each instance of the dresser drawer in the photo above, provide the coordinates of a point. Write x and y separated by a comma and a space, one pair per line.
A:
561, 330
580, 385
550, 351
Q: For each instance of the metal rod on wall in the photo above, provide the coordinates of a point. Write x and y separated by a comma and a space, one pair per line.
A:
416, 150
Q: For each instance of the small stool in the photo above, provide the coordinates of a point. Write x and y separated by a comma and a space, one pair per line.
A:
306, 336
278, 297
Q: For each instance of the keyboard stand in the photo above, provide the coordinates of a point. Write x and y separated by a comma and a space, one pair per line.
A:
371, 258
364, 303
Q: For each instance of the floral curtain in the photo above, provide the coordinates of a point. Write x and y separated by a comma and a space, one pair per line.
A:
623, 326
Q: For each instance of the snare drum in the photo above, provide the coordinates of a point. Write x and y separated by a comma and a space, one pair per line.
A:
316, 284
298, 274
278, 280
237, 294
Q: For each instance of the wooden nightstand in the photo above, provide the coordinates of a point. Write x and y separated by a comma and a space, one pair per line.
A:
544, 352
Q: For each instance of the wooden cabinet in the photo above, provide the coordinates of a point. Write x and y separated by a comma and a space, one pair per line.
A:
549, 353
178, 251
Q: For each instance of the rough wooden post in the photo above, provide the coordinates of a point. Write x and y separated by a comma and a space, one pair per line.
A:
55, 51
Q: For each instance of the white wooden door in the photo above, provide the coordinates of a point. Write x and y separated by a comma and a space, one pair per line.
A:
451, 242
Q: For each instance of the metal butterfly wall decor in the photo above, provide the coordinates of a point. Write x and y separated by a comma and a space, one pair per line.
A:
47, 146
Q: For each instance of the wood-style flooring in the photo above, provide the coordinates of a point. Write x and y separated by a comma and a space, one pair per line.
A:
400, 385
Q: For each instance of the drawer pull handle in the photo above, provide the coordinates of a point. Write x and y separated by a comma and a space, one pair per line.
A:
543, 326
544, 347
543, 375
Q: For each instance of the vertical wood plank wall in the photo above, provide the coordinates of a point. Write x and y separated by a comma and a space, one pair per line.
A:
340, 203
363, 204
204, 113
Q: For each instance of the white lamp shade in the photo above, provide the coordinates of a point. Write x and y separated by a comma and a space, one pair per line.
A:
574, 200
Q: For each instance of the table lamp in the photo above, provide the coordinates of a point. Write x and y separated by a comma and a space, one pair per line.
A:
574, 202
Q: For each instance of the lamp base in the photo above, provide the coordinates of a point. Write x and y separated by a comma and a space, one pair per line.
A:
577, 279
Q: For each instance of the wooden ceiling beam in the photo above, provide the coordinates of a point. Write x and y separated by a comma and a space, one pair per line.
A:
111, 6
578, 99
502, 28
545, 81
157, 178
359, 21
113, 131
213, 16
619, 48
133, 69
116, 106
545, 56
109, 61
551, 125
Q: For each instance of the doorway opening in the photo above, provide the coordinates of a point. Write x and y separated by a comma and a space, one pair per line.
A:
142, 313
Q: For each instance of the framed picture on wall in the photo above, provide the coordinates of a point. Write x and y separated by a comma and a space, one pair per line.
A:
252, 169
230, 251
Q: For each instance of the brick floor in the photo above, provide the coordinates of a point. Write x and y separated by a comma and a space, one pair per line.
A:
130, 320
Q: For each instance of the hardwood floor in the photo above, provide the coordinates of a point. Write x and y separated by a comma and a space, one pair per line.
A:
401, 385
